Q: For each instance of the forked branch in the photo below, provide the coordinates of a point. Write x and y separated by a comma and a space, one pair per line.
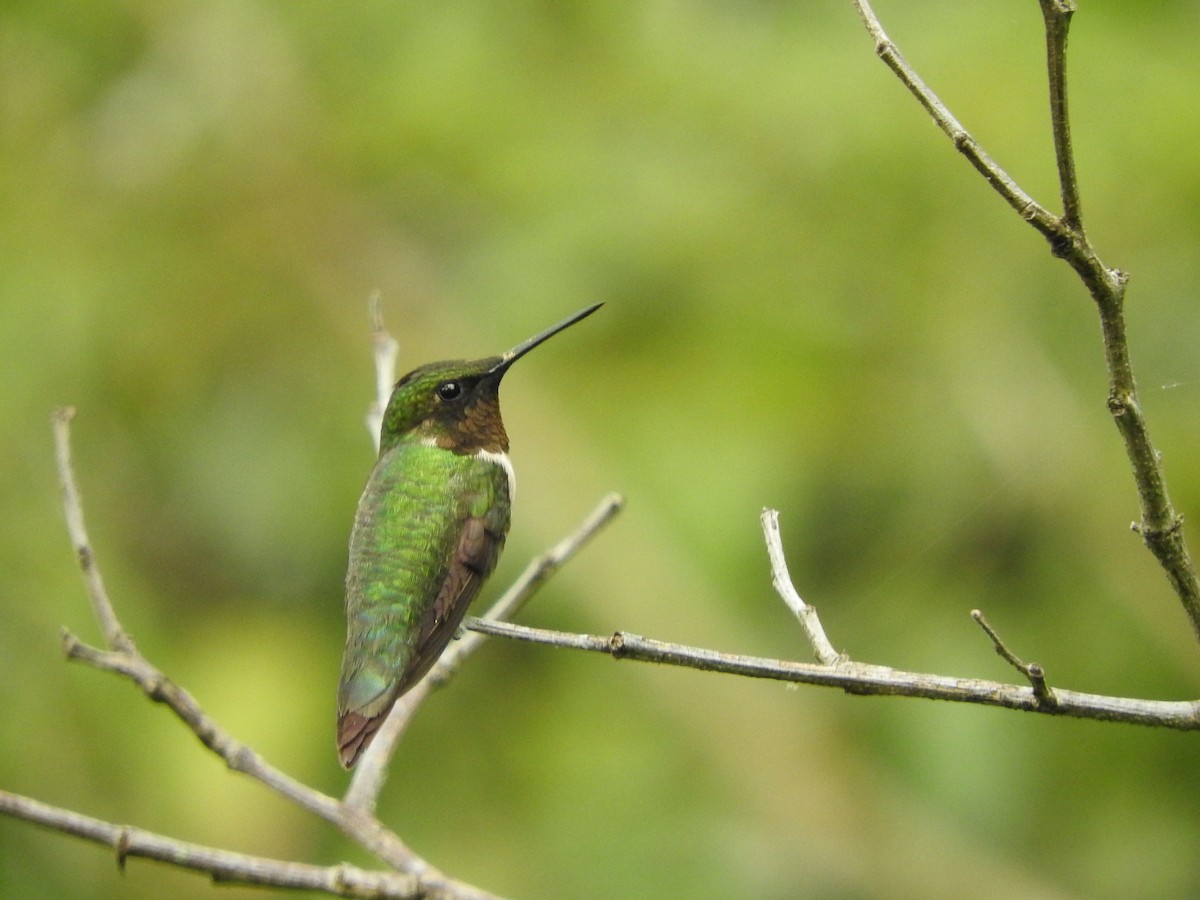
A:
354, 815
865, 678
1161, 527
223, 866
413, 877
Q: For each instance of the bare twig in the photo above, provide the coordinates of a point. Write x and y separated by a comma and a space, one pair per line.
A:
371, 771
224, 866
863, 678
124, 659
1057, 15
860, 678
114, 635
807, 614
386, 352
237, 756
1161, 527
354, 816
1028, 208
1034, 672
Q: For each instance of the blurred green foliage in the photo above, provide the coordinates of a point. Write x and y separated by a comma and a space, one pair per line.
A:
812, 304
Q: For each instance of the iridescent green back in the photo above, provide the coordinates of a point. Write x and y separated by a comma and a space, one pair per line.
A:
429, 529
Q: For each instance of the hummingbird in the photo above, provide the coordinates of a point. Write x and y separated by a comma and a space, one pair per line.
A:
429, 528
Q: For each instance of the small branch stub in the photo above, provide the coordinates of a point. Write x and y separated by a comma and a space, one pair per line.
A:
806, 614
1032, 671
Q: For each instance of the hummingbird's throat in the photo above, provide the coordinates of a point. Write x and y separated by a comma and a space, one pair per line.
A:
469, 429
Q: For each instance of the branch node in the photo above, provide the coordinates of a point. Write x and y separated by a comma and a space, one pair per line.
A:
241, 758
1061, 244
1059, 9
1119, 404
122, 847
1042, 692
1043, 695
338, 877
1150, 534
70, 644
616, 645
156, 687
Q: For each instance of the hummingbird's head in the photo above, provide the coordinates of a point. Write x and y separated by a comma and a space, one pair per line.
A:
455, 404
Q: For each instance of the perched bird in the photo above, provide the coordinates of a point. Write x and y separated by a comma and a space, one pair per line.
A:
429, 528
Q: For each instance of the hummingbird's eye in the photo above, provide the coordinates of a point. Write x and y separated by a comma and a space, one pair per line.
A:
449, 390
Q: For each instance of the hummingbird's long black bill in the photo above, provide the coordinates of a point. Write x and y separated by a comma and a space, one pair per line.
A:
525, 346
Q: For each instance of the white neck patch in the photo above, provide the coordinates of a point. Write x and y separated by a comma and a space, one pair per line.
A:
502, 460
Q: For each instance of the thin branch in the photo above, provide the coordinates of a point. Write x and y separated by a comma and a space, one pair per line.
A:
1028, 208
124, 659
364, 829
386, 352
371, 771
860, 678
806, 614
863, 678
1033, 671
237, 756
353, 816
114, 635
1057, 15
224, 866
1161, 527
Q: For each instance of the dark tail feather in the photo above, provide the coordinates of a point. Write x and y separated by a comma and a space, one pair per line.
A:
354, 733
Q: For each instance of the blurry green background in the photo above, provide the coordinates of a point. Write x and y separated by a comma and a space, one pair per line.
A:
812, 303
